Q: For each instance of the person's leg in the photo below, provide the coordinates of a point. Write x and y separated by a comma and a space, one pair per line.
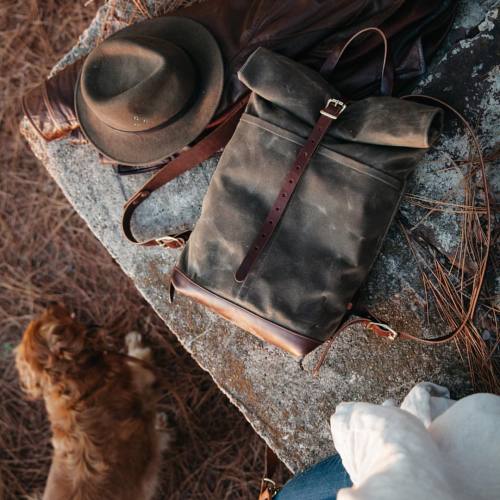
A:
320, 482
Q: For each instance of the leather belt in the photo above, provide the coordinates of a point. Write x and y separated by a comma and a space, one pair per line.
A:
331, 112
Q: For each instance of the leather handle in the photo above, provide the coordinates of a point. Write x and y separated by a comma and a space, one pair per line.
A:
331, 112
387, 72
187, 160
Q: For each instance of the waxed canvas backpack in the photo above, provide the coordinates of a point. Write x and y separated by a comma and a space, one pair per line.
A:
300, 202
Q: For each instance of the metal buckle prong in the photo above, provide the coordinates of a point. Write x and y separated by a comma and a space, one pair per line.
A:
393, 334
335, 102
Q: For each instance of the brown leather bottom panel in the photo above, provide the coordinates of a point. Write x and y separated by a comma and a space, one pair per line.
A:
294, 343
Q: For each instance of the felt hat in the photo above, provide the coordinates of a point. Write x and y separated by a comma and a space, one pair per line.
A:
149, 90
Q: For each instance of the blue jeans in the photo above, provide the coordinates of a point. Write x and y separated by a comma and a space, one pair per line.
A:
320, 482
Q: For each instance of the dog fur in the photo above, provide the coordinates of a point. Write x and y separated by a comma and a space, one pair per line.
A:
101, 406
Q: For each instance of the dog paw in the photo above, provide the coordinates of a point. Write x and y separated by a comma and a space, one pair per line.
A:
164, 431
161, 423
135, 348
133, 340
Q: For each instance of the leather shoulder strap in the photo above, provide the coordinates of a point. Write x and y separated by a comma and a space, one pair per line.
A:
201, 151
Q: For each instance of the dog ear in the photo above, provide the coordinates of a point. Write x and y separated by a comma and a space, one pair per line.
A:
63, 335
31, 379
48, 349
33, 357
64, 344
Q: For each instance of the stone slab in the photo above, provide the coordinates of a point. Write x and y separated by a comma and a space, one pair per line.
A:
284, 403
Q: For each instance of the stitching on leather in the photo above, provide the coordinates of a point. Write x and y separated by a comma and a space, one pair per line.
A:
285, 330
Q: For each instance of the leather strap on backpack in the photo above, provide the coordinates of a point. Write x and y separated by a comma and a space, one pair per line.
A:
220, 136
201, 151
331, 112
380, 328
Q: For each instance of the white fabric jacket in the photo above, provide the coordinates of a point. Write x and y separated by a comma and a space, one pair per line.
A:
432, 448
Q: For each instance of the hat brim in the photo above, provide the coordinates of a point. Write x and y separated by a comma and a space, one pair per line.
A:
153, 146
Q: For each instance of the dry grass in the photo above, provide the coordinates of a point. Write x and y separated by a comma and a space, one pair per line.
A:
48, 254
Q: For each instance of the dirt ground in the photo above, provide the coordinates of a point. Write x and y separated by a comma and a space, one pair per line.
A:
47, 254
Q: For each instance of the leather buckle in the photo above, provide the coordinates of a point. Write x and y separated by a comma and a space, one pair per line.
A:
391, 334
338, 104
271, 487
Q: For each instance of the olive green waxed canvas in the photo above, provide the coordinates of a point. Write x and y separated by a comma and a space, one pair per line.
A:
333, 228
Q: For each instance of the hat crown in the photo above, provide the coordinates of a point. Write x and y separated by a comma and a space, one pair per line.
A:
138, 83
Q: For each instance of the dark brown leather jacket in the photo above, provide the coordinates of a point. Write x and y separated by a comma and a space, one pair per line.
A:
310, 31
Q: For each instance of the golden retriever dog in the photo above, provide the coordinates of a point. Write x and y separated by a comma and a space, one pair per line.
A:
101, 406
